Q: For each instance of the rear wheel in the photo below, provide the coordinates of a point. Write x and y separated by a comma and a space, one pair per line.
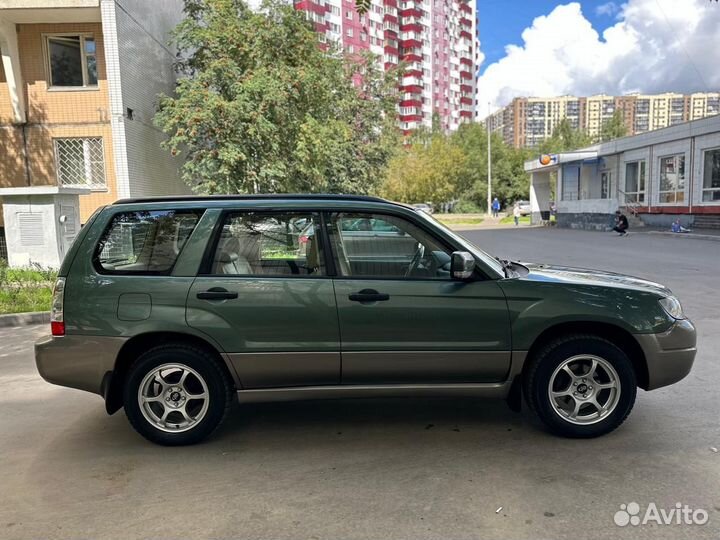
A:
176, 394
581, 386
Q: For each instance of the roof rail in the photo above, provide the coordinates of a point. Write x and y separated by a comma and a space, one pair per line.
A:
269, 196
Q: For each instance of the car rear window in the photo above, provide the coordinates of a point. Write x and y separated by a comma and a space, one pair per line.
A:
144, 241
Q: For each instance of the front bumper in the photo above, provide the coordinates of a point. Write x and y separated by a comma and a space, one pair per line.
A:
77, 361
669, 355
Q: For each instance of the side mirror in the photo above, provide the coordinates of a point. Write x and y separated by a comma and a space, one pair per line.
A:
462, 265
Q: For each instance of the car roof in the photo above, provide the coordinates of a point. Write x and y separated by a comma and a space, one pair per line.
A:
274, 197
279, 201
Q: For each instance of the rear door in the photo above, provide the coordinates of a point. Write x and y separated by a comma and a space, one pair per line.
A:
264, 295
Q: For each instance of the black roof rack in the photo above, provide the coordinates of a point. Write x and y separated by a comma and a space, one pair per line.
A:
270, 196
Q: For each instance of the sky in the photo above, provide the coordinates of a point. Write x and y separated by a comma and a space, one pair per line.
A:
547, 48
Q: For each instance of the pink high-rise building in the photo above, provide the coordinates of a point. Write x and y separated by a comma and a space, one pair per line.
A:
436, 40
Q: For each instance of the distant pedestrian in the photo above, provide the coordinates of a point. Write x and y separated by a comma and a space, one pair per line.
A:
621, 224
495, 207
677, 227
516, 214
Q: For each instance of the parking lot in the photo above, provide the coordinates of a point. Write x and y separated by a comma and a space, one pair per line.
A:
379, 468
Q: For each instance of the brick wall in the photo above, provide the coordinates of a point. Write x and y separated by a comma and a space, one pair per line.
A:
53, 113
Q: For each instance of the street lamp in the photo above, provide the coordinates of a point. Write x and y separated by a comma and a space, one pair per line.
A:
489, 160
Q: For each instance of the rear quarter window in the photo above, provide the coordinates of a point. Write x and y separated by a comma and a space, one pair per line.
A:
144, 242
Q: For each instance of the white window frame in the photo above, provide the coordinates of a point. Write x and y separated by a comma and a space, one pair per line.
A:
642, 166
660, 191
93, 186
703, 189
83, 59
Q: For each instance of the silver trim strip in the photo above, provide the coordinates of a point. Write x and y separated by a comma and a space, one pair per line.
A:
489, 390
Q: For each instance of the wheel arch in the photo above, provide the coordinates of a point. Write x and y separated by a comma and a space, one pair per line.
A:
613, 333
113, 382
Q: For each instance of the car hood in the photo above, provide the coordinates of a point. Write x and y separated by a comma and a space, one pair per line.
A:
584, 276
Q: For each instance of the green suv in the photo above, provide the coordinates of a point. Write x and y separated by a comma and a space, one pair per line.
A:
174, 307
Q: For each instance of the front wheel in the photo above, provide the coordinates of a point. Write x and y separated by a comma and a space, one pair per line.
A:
581, 386
176, 395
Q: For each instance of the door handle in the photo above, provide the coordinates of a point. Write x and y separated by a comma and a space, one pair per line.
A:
217, 293
367, 296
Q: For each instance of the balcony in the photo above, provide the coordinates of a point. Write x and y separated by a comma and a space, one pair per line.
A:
411, 12
390, 18
412, 102
466, 75
466, 88
466, 114
412, 43
466, 100
411, 56
14, 12
411, 25
465, 34
465, 7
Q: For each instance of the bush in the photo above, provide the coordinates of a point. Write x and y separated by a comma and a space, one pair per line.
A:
466, 206
25, 289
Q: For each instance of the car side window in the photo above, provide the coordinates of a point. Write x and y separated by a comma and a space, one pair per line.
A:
385, 246
144, 241
269, 244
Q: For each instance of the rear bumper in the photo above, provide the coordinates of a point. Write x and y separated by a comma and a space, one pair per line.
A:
669, 355
77, 361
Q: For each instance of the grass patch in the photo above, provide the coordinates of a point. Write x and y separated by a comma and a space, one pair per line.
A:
25, 289
524, 220
450, 219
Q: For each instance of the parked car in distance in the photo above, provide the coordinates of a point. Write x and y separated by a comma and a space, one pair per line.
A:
172, 308
525, 208
423, 207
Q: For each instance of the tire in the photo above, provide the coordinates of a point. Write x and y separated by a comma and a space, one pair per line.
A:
187, 382
582, 406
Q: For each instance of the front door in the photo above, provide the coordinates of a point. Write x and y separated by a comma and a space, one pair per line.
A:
403, 319
266, 298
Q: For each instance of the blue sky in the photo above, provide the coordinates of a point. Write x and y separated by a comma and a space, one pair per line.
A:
588, 47
503, 21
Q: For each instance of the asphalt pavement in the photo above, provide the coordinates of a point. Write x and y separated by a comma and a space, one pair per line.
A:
402, 468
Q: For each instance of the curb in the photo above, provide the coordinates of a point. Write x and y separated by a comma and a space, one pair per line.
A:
691, 236
24, 319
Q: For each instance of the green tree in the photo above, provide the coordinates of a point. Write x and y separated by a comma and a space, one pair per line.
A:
614, 128
429, 170
565, 138
510, 182
260, 107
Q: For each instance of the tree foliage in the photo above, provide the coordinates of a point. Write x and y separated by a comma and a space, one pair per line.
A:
565, 138
438, 168
614, 128
260, 107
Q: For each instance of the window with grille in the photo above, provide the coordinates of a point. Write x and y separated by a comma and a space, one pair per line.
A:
80, 162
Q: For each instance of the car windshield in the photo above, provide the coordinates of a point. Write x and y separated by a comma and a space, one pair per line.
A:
489, 260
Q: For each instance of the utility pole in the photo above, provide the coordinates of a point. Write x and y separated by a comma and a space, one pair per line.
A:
489, 159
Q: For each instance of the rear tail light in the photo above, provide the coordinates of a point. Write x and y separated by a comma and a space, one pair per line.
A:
57, 319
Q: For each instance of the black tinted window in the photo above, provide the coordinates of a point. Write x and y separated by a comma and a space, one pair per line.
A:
146, 241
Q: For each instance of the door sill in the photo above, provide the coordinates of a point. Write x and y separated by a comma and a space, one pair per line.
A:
484, 390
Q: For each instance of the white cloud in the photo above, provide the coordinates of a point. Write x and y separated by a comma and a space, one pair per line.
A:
656, 46
608, 8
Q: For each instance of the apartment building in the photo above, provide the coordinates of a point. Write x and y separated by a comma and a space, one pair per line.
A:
78, 87
527, 122
435, 38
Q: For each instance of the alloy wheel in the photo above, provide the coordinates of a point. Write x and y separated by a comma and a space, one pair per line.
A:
173, 397
584, 389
